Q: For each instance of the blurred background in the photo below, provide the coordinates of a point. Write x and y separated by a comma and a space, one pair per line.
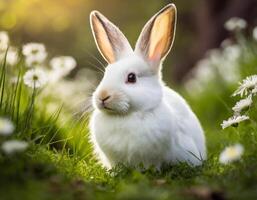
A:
63, 26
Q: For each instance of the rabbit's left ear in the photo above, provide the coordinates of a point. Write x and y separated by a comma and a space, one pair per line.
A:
110, 41
156, 38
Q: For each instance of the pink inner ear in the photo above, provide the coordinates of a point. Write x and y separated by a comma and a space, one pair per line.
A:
156, 54
102, 40
160, 38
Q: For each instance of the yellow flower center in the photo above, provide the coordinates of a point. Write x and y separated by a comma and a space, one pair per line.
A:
34, 51
231, 152
35, 78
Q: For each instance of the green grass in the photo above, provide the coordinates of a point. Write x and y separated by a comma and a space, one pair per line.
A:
59, 163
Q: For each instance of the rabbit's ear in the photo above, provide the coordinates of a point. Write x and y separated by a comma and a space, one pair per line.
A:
156, 38
110, 41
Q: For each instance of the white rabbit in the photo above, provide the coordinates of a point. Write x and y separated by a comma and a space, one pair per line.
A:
136, 118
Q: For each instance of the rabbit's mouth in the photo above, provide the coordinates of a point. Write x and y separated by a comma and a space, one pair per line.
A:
119, 108
111, 102
104, 107
112, 110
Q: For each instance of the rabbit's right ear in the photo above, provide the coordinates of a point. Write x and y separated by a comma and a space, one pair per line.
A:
156, 38
110, 41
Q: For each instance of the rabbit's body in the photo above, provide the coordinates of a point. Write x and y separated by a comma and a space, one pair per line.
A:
137, 119
169, 133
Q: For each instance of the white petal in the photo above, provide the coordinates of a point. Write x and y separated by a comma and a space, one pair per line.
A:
13, 146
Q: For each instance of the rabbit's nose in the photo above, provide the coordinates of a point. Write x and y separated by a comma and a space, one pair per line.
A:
105, 98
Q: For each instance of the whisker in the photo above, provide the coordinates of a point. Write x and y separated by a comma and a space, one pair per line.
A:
91, 84
86, 108
98, 72
95, 66
95, 58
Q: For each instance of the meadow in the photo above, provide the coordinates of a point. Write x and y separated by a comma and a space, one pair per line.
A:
45, 152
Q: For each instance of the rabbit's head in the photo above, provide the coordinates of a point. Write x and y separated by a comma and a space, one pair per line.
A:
132, 80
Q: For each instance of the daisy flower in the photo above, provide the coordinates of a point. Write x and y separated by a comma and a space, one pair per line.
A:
4, 40
255, 33
12, 146
226, 43
63, 64
234, 121
33, 48
235, 24
248, 83
231, 153
34, 61
35, 78
6, 126
35, 54
232, 52
11, 57
54, 76
242, 104
254, 90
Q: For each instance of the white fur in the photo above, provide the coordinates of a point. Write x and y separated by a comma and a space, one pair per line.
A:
145, 122
161, 128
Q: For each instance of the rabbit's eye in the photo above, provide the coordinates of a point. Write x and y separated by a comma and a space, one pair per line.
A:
131, 78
